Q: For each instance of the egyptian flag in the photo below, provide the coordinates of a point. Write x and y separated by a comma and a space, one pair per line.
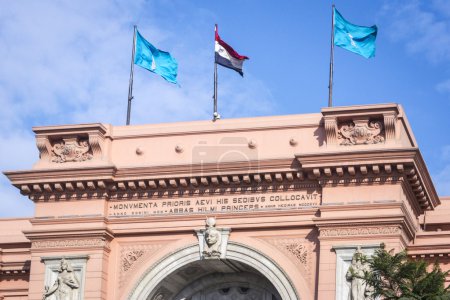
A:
226, 56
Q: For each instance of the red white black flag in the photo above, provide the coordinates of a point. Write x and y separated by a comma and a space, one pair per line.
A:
227, 56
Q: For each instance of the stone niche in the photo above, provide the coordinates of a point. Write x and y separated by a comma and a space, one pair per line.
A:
344, 255
52, 270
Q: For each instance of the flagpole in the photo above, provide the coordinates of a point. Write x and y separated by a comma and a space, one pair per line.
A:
216, 115
130, 87
330, 83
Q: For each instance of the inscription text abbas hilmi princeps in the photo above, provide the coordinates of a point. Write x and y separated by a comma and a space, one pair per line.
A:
216, 204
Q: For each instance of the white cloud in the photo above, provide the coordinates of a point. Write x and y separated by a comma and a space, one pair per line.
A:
424, 29
68, 62
443, 87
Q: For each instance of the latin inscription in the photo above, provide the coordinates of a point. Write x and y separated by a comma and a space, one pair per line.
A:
215, 204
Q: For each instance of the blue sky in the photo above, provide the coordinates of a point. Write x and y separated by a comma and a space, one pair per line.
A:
67, 62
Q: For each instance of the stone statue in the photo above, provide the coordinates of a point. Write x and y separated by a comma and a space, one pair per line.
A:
355, 275
213, 239
65, 284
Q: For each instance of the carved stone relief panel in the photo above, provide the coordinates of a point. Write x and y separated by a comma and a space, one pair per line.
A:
344, 256
297, 248
130, 256
213, 241
73, 149
360, 132
64, 277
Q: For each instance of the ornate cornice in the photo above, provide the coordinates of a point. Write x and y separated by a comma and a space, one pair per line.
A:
15, 267
369, 166
108, 182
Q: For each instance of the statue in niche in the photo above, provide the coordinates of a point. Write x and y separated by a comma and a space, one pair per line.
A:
65, 284
355, 275
213, 239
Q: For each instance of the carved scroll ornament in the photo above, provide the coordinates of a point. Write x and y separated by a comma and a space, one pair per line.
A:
71, 150
130, 257
360, 132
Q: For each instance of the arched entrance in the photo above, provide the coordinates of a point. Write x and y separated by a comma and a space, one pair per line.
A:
244, 274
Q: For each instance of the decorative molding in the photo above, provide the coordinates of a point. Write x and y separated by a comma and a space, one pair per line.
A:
359, 231
390, 121
405, 166
95, 141
370, 179
43, 146
167, 187
331, 130
70, 243
361, 131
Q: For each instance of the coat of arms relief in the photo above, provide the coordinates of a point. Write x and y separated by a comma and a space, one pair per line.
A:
361, 132
71, 150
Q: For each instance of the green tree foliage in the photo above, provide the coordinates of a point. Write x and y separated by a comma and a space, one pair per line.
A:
395, 277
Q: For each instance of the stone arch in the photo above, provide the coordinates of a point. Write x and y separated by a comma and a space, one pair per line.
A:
235, 251
216, 280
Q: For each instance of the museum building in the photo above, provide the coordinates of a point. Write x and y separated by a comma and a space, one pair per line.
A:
270, 208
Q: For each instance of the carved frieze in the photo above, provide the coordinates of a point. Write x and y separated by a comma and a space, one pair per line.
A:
72, 243
360, 132
362, 231
71, 150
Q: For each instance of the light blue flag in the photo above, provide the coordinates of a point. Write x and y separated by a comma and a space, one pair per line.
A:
354, 38
157, 61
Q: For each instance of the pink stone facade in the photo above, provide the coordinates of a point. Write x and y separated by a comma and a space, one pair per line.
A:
292, 191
